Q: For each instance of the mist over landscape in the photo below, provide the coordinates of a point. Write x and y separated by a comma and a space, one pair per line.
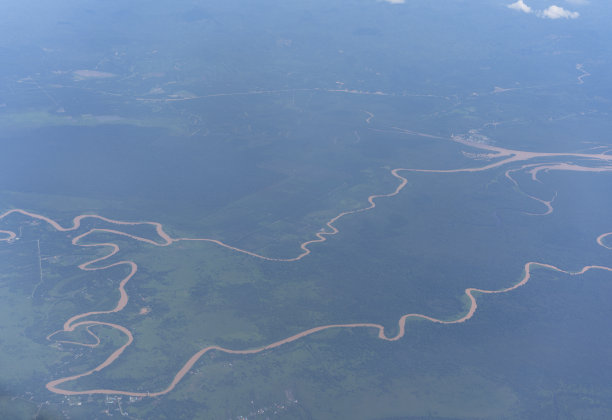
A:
352, 209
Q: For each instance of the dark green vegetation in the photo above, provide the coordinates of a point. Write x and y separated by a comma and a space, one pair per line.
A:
255, 124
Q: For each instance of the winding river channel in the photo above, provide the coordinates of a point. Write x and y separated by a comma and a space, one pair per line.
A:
601, 162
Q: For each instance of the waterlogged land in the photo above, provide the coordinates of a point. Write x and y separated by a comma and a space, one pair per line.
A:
501, 157
331, 276
305, 211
